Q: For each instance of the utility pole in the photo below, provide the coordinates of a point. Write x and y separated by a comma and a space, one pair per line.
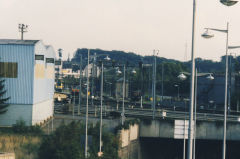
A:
123, 94
195, 114
80, 86
93, 76
86, 131
141, 69
74, 102
154, 84
162, 80
22, 29
100, 138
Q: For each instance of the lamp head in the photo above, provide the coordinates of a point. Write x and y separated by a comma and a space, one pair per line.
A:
118, 71
182, 77
206, 35
228, 2
210, 77
107, 58
133, 71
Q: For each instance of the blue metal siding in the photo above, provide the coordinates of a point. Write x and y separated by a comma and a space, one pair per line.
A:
20, 89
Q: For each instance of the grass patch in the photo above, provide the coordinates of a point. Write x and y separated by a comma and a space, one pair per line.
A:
24, 146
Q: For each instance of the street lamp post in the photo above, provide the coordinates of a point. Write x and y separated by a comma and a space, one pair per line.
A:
190, 136
86, 123
123, 98
100, 142
80, 87
195, 115
100, 133
123, 91
155, 52
183, 77
206, 35
162, 81
176, 85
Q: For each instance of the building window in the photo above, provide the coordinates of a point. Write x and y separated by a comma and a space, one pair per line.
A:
8, 69
58, 63
49, 60
39, 57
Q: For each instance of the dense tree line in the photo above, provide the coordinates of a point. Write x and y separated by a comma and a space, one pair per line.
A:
166, 77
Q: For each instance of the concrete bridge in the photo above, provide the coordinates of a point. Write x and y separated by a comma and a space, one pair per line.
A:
167, 123
177, 129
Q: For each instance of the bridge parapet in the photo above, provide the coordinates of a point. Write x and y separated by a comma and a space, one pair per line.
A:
206, 130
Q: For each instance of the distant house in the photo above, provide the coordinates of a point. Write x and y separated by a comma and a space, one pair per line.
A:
69, 72
28, 69
95, 72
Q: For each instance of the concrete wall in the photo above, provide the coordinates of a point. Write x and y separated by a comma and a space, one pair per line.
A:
129, 135
209, 130
157, 128
41, 111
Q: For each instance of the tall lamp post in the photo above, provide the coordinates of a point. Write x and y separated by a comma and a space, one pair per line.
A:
86, 123
207, 36
190, 135
183, 77
155, 52
80, 86
100, 153
176, 85
123, 91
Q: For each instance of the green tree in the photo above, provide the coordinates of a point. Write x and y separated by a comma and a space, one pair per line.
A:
67, 142
3, 100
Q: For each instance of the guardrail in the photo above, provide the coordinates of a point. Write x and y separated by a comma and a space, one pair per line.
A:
148, 113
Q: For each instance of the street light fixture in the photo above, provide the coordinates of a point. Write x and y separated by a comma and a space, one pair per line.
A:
207, 35
123, 90
134, 71
228, 2
118, 71
190, 135
107, 58
182, 77
210, 77
226, 85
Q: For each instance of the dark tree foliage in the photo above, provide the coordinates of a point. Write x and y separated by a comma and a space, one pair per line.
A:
119, 57
3, 100
204, 65
67, 142
133, 59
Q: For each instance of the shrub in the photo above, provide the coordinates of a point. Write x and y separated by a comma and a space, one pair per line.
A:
21, 128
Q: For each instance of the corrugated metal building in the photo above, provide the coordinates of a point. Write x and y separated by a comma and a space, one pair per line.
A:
28, 69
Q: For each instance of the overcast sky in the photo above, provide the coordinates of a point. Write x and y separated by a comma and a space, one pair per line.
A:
130, 25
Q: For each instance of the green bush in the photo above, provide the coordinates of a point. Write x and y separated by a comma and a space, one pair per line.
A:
68, 141
21, 128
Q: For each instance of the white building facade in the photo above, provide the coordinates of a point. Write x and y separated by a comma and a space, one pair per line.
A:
27, 66
89, 69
